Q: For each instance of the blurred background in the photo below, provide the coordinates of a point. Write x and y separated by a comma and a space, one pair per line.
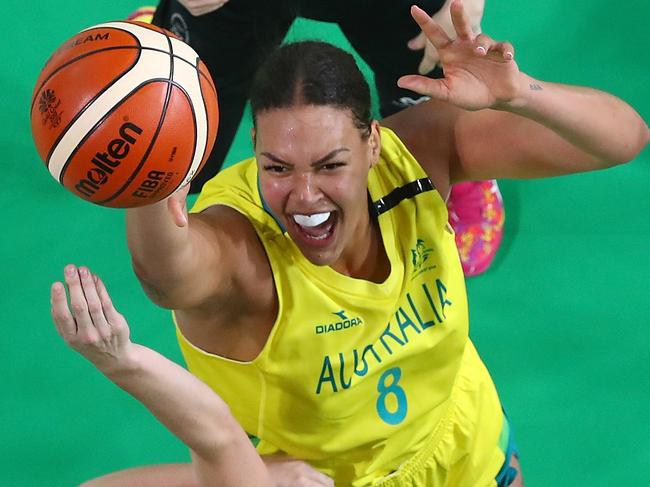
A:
561, 318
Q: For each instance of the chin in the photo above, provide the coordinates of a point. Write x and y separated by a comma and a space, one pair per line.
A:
319, 258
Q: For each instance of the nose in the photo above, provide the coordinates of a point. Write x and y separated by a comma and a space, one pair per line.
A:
305, 188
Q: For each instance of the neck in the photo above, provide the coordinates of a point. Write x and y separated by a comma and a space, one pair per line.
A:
367, 258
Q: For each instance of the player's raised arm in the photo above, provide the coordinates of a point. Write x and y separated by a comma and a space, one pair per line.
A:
165, 256
92, 326
511, 125
184, 260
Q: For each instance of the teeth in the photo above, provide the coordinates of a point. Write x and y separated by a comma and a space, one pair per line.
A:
311, 220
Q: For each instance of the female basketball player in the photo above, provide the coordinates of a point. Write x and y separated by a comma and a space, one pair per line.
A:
233, 37
317, 287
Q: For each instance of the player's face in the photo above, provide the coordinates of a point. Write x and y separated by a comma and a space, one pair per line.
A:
314, 165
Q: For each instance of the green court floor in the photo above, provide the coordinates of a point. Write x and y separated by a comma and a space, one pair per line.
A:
561, 319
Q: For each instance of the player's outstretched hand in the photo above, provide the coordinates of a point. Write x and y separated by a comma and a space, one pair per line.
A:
89, 323
479, 71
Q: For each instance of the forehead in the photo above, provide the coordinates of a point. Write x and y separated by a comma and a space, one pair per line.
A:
305, 129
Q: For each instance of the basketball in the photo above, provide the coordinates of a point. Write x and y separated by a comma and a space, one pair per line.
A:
123, 114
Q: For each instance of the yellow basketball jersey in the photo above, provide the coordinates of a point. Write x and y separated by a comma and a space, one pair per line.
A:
356, 376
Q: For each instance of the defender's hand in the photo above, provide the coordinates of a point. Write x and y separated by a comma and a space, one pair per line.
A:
479, 72
430, 58
90, 324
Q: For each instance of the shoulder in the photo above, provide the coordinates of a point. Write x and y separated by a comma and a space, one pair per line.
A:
242, 306
236, 268
427, 131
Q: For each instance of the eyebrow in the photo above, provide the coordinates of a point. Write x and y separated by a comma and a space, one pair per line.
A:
327, 157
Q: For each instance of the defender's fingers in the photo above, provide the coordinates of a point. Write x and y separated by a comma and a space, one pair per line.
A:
418, 42
501, 50
461, 21
112, 315
78, 303
482, 44
431, 29
61, 315
429, 60
95, 310
427, 65
506, 50
435, 88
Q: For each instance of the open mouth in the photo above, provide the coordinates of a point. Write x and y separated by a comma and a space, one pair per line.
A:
316, 228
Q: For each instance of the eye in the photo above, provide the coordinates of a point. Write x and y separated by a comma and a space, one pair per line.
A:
331, 166
275, 168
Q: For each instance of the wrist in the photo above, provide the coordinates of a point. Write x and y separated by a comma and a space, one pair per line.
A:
124, 364
528, 89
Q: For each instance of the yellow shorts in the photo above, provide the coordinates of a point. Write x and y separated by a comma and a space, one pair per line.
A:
470, 446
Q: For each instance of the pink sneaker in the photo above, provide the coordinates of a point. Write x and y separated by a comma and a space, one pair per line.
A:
477, 215
142, 14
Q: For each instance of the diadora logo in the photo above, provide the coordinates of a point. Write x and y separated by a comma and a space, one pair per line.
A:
419, 255
106, 162
342, 323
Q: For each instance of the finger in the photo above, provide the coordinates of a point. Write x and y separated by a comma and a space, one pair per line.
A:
112, 315
482, 44
94, 305
499, 50
461, 21
418, 42
431, 29
429, 60
177, 207
61, 315
505, 49
426, 65
78, 304
435, 88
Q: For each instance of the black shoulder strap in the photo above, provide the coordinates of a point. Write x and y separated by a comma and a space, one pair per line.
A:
392, 199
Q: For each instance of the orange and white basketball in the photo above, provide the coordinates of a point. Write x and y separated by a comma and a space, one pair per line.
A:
124, 113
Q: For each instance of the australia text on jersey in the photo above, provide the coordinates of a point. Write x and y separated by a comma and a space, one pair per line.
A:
419, 319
